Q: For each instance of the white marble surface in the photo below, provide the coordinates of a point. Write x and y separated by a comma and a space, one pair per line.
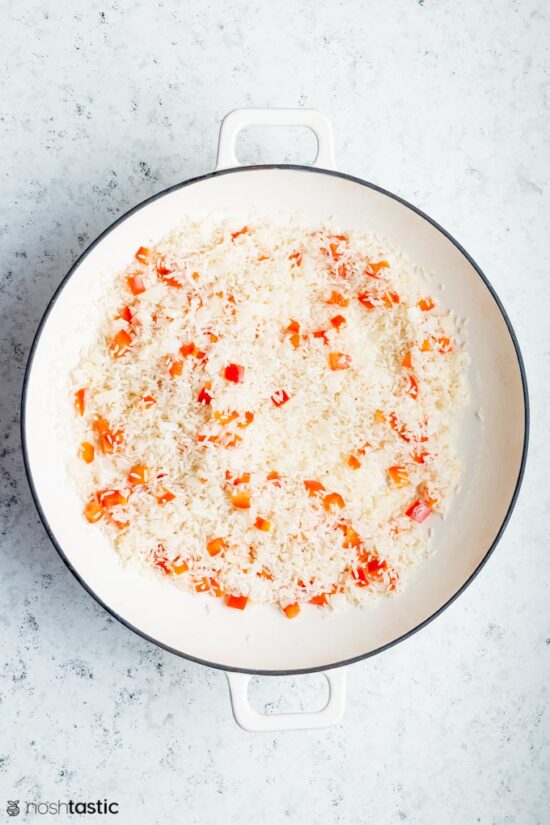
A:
446, 103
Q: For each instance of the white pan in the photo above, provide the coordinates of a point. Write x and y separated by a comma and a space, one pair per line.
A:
261, 640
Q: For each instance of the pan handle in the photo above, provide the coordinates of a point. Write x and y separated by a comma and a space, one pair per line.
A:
239, 119
251, 720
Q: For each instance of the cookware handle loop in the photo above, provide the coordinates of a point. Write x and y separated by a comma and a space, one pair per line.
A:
239, 119
250, 719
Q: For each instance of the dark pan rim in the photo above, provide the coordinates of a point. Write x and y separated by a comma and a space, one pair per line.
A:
291, 671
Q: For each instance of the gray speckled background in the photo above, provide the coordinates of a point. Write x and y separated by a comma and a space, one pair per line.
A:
446, 103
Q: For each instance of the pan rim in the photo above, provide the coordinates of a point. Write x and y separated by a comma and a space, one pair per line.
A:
57, 545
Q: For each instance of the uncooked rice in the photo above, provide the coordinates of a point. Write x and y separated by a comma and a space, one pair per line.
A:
351, 380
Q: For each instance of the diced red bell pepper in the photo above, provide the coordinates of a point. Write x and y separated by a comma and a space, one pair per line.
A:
420, 456
204, 397
162, 267
353, 462
419, 511
390, 298
234, 373
120, 344
124, 314
248, 419
444, 345
361, 577
375, 566
142, 255
368, 300
425, 304
411, 386
80, 401
238, 602
294, 326
399, 427
240, 232
135, 282
111, 498
338, 321
191, 349
280, 397
242, 479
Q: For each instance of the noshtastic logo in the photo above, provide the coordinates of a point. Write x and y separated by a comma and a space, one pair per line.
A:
99, 806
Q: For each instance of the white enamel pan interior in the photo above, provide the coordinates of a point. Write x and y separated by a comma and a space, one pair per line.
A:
261, 639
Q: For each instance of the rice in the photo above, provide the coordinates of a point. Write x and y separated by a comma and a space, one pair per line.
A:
274, 407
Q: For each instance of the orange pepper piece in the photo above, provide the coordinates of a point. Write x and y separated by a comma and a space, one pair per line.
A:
333, 500
313, 487
338, 299
215, 546
120, 344
142, 255
135, 282
339, 361
338, 321
139, 474
238, 602
111, 498
87, 452
93, 511
319, 600
444, 345
165, 497
80, 401
398, 475
241, 499
291, 610
411, 387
